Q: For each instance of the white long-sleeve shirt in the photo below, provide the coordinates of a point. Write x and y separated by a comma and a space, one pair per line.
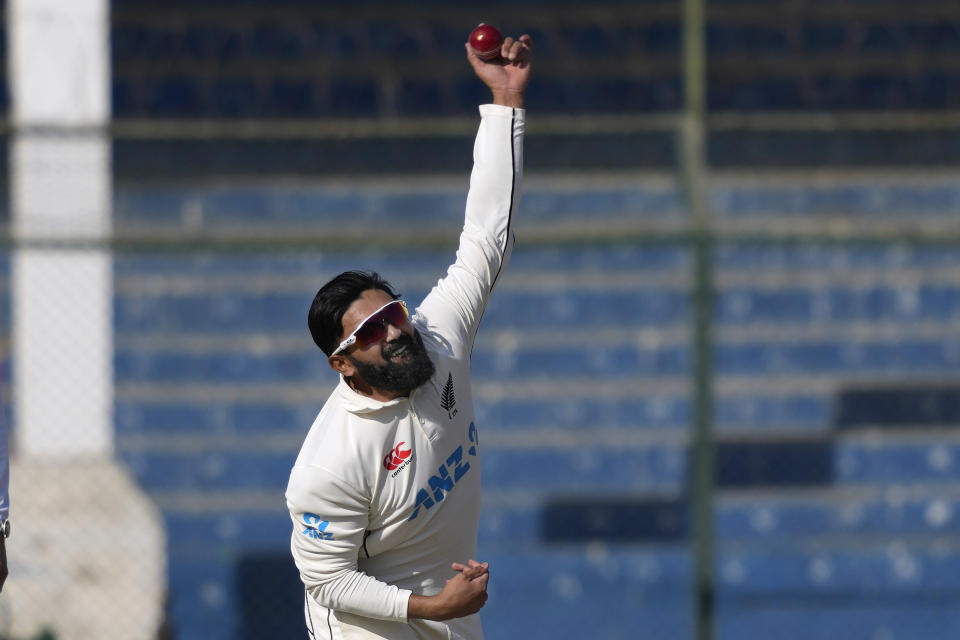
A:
384, 496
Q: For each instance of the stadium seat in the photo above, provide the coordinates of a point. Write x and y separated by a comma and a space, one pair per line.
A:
421, 98
275, 40
173, 96
236, 97
354, 97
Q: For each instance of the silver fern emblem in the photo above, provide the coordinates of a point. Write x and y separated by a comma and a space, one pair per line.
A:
447, 399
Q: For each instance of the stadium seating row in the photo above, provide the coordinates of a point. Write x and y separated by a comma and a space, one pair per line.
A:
576, 470
314, 205
774, 413
244, 312
902, 357
286, 37
369, 64
303, 96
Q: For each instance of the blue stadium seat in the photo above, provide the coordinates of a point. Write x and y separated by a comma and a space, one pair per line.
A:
548, 94
726, 39
468, 94
204, 42
173, 96
420, 97
787, 520
277, 40
629, 593
166, 367
354, 97
588, 361
866, 463
659, 37
293, 98
659, 468
797, 412
769, 92
128, 41
158, 418
228, 532
337, 41
882, 91
201, 592
237, 97
939, 35
887, 569
821, 37
836, 357
388, 39
588, 40
123, 97
843, 616
891, 38
635, 412
198, 471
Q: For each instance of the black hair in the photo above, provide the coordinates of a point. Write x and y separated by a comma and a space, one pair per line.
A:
325, 318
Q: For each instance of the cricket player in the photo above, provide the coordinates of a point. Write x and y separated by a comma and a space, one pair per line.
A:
385, 493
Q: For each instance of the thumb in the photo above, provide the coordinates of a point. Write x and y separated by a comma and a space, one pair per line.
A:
472, 58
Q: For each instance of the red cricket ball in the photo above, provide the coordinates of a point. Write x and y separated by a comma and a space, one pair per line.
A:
485, 41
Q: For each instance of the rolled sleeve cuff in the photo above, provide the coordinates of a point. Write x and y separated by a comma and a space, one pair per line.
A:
503, 111
403, 601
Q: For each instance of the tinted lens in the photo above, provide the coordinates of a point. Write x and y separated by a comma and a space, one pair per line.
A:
375, 327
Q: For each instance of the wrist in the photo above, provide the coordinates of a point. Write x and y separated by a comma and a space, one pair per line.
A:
509, 99
423, 607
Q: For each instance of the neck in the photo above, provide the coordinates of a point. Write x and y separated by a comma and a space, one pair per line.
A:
365, 389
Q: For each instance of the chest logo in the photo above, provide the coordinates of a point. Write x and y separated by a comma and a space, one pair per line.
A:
397, 456
448, 475
447, 399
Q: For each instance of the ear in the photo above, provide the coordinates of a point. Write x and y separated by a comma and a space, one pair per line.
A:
342, 365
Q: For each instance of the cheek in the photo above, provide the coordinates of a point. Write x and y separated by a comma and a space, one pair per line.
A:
370, 354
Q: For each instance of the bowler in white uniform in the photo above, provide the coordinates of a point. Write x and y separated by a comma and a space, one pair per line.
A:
385, 493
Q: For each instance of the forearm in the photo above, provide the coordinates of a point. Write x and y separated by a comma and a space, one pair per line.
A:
357, 593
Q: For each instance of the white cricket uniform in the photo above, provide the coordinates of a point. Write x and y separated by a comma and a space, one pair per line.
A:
384, 496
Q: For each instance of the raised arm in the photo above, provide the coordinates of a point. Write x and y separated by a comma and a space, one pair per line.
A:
454, 307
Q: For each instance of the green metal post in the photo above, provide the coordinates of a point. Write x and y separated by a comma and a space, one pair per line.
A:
693, 172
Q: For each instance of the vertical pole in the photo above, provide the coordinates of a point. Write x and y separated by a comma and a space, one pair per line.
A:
60, 198
694, 175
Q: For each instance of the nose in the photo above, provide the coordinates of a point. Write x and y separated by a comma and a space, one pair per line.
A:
392, 332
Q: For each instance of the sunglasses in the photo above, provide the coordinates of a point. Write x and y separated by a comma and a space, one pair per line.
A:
374, 328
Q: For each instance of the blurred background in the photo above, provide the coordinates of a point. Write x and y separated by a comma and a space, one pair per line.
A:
717, 388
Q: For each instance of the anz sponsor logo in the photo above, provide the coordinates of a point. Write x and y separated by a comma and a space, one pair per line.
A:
316, 528
448, 474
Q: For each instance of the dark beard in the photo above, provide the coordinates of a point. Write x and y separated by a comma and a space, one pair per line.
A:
398, 377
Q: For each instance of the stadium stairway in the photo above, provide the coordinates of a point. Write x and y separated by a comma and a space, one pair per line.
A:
582, 392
